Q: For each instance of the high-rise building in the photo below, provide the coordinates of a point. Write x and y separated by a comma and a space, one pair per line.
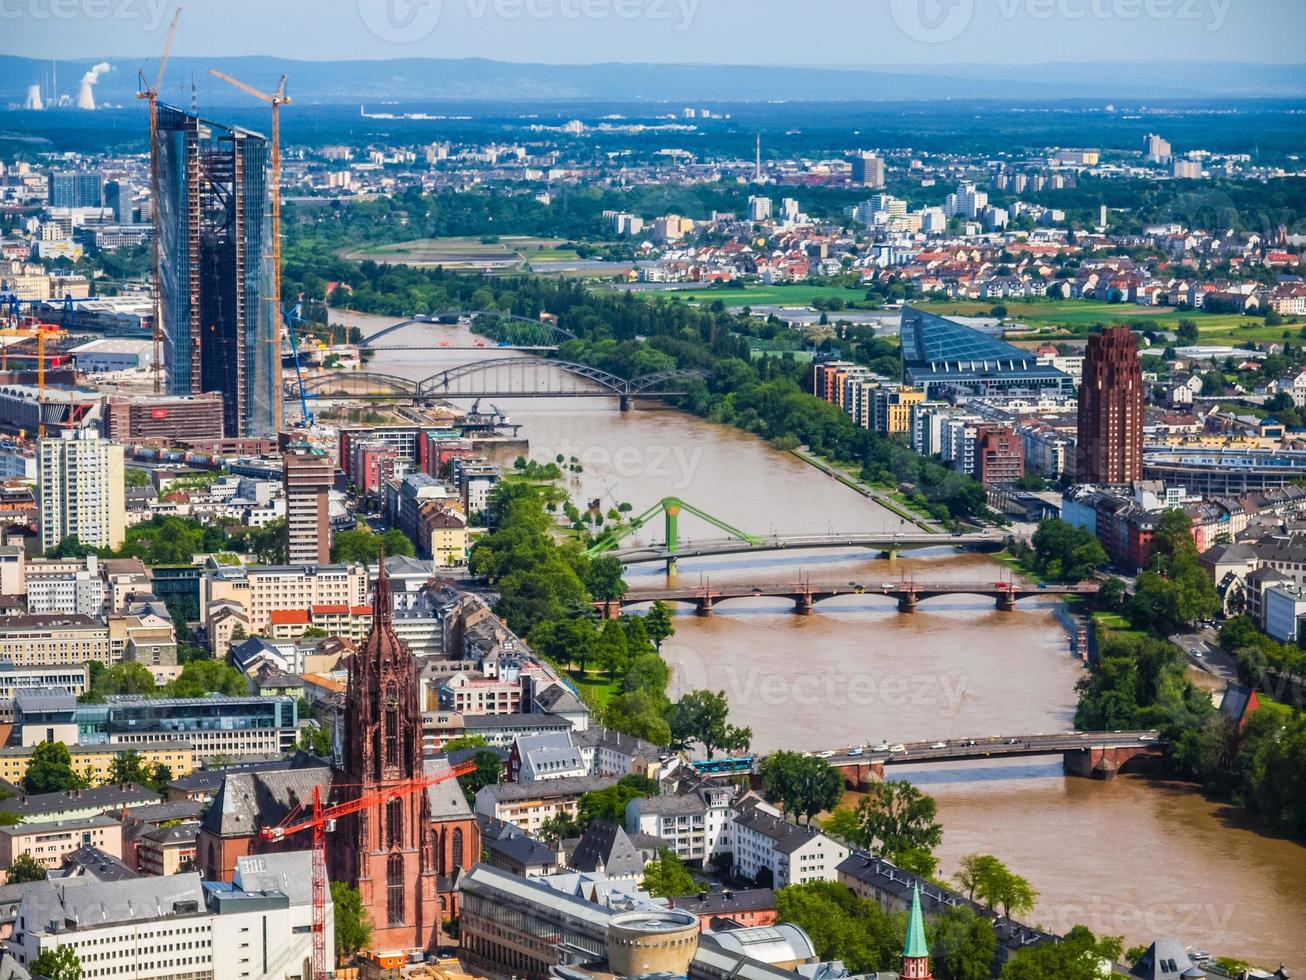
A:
219, 319
80, 490
1156, 150
868, 170
118, 199
1111, 410
404, 866
308, 475
76, 189
759, 209
999, 456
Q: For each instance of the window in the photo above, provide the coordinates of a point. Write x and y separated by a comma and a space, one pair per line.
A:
394, 823
395, 890
456, 849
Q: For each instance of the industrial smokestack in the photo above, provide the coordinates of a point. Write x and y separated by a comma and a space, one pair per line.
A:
86, 94
34, 98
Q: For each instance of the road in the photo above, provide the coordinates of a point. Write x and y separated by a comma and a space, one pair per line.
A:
1205, 654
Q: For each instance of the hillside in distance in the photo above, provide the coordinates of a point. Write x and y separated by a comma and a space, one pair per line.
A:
427, 79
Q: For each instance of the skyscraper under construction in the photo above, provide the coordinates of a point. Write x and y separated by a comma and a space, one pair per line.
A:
220, 322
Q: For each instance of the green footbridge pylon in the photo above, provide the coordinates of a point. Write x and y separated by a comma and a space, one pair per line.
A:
670, 508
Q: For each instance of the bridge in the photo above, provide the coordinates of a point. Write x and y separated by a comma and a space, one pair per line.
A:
806, 594
500, 377
504, 330
1095, 755
881, 540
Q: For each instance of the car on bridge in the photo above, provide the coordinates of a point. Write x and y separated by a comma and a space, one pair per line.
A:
939, 745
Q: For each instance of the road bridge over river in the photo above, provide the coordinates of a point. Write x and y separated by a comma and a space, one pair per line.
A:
887, 541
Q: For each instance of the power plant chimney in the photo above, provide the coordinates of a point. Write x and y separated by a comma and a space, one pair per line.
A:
33, 100
86, 93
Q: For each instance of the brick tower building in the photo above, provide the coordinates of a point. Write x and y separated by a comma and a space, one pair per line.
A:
1111, 410
388, 852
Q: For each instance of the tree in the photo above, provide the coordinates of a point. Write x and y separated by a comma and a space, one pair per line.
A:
639, 714
50, 770
612, 648
667, 878
25, 868
658, 624
843, 926
962, 945
203, 677
801, 784
700, 716
486, 773
70, 547
559, 827
604, 578
898, 821
353, 926
129, 767
318, 740
610, 803
987, 879
128, 677
1065, 553
60, 963
464, 742
1078, 956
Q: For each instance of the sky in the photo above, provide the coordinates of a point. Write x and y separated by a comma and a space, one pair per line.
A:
835, 33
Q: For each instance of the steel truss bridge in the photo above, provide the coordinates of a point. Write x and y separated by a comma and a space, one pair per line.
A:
503, 377
505, 331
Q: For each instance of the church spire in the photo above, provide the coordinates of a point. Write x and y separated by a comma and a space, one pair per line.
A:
915, 952
381, 601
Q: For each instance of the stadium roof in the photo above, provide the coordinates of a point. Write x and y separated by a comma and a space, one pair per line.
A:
939, 351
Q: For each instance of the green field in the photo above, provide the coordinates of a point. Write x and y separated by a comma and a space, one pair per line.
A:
596, 684
795, 295
466, 252
1068, 319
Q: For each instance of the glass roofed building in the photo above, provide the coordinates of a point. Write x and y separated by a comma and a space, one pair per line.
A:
938, 353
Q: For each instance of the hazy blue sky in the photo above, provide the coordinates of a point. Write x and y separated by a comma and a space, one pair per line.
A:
810, 32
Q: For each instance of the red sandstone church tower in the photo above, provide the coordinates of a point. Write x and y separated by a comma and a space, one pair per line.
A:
389, 851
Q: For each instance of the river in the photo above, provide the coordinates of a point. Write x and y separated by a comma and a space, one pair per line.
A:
1136, 857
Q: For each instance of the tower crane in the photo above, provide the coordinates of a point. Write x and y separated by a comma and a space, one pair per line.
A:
323, 819
277, 99
151, 92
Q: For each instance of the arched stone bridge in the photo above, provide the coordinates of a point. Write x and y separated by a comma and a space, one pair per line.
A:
805, 595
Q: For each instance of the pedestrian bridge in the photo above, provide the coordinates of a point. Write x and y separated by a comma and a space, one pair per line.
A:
806, 594
880, 540
1095, 755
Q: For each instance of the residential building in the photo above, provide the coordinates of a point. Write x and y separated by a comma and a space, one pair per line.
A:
97, 759
80, 490
168, 850
1285, 614
1110, 446
14, 680
307, 478
261, 589
27, 641
748, 907
50, 841
999, 456
78, 804
697, 825
536, 758
530, 805
775, 853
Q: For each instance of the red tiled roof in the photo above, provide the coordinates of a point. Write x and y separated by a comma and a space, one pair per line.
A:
288, 617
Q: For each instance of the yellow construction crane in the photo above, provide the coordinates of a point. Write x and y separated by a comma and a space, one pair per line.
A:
276, 100
152, 94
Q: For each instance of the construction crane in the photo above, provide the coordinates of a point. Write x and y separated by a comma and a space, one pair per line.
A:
151, 92
293, 316
276, 100
323, 819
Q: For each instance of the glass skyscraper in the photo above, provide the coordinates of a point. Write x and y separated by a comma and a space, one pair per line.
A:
220, 328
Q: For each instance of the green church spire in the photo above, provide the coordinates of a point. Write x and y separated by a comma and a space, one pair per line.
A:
915, 947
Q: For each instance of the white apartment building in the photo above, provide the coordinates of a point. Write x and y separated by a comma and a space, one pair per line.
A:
264, 588
698, 825
178, 927
766, 844
80, 490
65, 587
1285, 613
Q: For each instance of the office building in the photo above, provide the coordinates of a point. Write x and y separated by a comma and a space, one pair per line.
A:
868, 170
27, 641
165, 418
76, 189
80, 489
1110, 446
118, 199
217, 725
308, 475
940, 355
220, 328
260, 924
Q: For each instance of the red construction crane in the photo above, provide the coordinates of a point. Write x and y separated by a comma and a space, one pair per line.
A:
323, 819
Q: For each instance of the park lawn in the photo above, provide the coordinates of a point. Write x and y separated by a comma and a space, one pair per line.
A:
596, 684
1115, 623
